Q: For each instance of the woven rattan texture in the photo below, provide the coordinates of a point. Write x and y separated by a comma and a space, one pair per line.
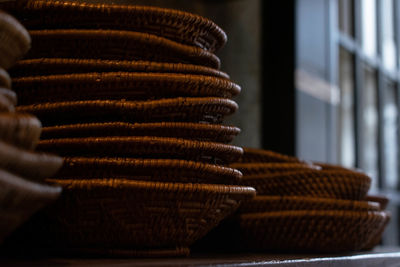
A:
271, 168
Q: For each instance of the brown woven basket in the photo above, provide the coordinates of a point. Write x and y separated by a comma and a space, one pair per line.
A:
14, 40
116, 45
119, 85
312, 231
9, 94
124, 214
19, 199
162, 170
51, 66
22, 130
376, 240
5, 80
194, 131
28, 164
282, 203
143, 147
261, 155
172, 24
325, 184
205, 109
271, 168
6, 105
382, 200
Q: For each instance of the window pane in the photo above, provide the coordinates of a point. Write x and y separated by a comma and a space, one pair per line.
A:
370, 126
388, 37
368, 26
390, 118
346, 110
346, 16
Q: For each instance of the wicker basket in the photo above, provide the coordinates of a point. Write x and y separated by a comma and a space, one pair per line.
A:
22, 130
6, 105
260, 155
311, 231
143, 147
119, 85
172, 24
19, 199
382, 200
36, 166
194, 131
271, 168
14, 40
116, 45
51, 66
5, 79
161, 170
283, 203
205, 109
10, 95
124, 214
326, 184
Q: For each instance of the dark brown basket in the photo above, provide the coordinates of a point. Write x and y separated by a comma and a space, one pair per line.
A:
9, 94
36, 166
125, 214
51, 66
143, 147
6, 105
311, 231
325, 184
261, 155
194, 131
283, 203
161, 170
176, 25
5, 80
250, 168
22, 130
19, 199
14, 40
116, 45
206, 109
121, 86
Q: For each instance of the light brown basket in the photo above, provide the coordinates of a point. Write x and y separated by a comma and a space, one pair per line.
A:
5, 79
194, 131
119, 85
286, 203
143, 147
382, 200
262, 155
206, 109
14, 40
124, 214
116, 45
250, 168
19, 199
51, 66
325, 184
310, 231
161, 170
36, 166
173, 24
22, 130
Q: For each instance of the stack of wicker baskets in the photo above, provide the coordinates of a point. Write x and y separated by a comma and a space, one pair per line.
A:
133, 100
302, 206
21, 169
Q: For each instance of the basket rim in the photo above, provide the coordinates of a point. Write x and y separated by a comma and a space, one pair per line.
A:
205, 25
261, 199
119, 183
79, 35
5, 79
123, 65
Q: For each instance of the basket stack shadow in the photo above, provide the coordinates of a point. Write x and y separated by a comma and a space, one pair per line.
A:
133, 99
301, 207
22, 170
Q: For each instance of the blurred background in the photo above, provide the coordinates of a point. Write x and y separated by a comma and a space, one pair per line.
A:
320, 80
